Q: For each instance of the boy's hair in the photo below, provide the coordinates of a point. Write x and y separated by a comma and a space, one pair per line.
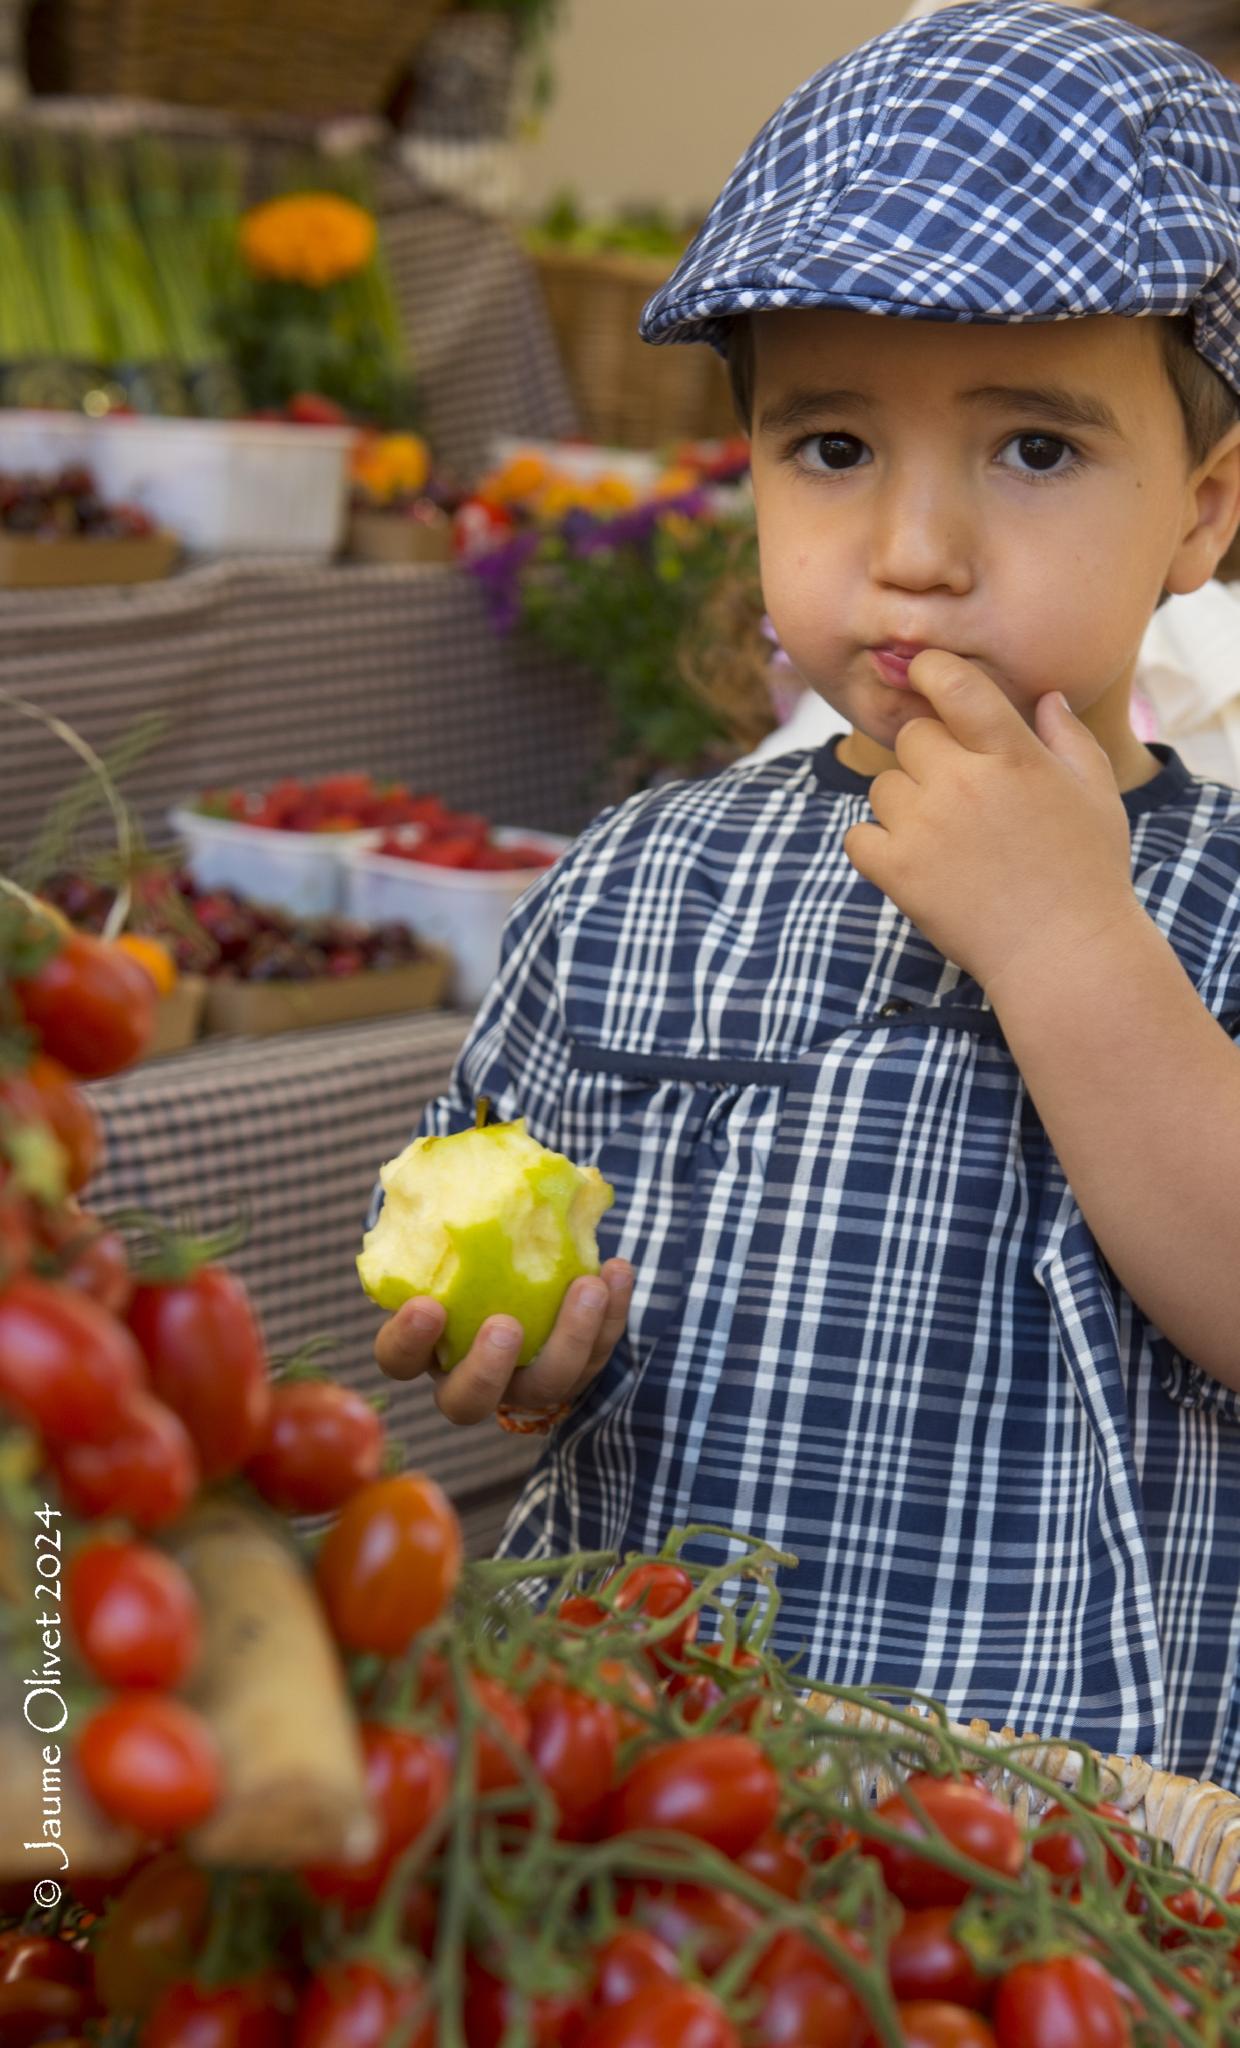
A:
1209, 406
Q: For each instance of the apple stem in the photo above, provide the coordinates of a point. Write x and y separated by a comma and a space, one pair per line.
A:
482, 1110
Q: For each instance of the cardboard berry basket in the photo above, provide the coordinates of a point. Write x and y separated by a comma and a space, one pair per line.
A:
179, 1018
247, 1009
27, 563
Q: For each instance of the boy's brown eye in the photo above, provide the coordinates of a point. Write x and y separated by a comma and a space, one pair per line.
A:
1041, 451
837, 451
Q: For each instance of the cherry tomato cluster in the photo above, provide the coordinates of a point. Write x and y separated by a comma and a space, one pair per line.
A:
138, 1389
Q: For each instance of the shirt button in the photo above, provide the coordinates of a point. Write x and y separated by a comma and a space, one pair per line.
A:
895, 1009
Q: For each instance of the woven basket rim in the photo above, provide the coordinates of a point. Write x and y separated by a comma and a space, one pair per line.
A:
1199, 1820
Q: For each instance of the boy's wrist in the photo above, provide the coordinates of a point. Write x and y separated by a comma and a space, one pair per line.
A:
1106, 949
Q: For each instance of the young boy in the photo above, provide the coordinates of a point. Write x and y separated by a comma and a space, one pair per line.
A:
909, 1059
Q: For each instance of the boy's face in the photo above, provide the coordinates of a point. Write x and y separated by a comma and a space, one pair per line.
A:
1018, 495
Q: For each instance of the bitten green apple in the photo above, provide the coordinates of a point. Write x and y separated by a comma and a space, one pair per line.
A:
488, 1222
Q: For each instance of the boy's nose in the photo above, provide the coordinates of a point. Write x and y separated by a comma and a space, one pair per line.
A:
923, 537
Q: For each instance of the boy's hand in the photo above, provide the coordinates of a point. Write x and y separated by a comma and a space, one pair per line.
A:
1008, 847
587, 1330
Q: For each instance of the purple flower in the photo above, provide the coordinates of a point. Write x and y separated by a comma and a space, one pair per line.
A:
499, 572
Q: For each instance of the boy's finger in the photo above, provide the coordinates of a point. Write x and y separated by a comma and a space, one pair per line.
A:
565, 1357
475, 1387
405, 1345
970, 704
619, 1277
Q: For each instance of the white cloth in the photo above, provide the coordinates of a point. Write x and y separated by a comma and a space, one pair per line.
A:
1188, 671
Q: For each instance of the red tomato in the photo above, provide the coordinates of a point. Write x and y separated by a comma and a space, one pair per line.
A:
492, 2008
358, 2005
93, 1008
1060, 1846
580, 1611
926, 1962
151, 1934
630, 1959
388, 1567
964, 1815
147, 1473
1069, 2002
36, 2009
806, 2003
72, 1117
135, 1614
718, 1788
205, 1355
926, 2023
90, 1258
16, 1233
573, 1742
66, 1366
707, 1923
502, 1730
1190, 1910
778, 1861
150, 1763
320, 1443
407, 1783
256, 2014
44, 1956
654, 1591
698, 1692
662, 2016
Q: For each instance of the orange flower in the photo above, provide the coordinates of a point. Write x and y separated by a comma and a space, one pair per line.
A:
385, 464
310, 238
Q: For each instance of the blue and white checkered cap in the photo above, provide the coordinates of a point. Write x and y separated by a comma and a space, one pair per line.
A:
991, 162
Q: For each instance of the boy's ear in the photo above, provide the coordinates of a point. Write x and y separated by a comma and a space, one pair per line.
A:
1212, 509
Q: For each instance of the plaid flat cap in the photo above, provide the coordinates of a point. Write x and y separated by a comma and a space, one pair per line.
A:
991, 162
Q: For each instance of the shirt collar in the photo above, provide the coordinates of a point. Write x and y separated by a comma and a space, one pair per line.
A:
1172, 778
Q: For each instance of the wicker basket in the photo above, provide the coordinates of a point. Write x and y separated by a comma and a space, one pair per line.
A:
312, 58
627, 394
1199, 1821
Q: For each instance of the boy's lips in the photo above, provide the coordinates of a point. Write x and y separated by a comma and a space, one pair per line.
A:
892, 660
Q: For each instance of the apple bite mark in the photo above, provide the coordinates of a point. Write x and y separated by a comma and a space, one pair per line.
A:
487, 1222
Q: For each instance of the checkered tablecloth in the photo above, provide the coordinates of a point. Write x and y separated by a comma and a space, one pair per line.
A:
269, 670
289, 1132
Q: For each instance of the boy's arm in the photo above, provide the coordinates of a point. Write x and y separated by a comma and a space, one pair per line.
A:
1139, 1090
1010, 849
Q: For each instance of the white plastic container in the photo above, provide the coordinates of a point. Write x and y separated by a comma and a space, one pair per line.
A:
224, 487
461, 909
302, 872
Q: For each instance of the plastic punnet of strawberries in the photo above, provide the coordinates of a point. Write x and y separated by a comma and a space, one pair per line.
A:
322, 1785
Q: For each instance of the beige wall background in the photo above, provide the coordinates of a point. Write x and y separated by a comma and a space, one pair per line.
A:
656, 99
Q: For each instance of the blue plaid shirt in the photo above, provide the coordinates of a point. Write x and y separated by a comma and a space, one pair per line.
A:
870, 1321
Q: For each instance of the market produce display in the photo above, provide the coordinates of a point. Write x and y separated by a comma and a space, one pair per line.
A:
66, 506
486, 1221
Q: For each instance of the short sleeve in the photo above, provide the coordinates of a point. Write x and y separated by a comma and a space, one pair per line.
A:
1190, 1386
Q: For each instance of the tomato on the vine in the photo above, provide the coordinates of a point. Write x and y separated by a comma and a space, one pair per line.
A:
926, 1961
150, 1762
492, 2006
806, 2000
705, 1921
1061, 1845
71, 1116
93, 1008
651, 1592
388, 1566
661, 2016
501, 1728
720, 1789
1066, 2002
147, 1473
926, 2023
38, 2009
962, 1814
320, 1443
206, 1359
779, 1861
66, 1366
46, 1956
632, 1695
255, 2014
574, 1739
87, 1256
151, 1934
697, 1692
407, 1785
358, 2005
629, 1959
135, 1614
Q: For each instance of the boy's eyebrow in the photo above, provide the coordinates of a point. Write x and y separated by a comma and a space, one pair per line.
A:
800, 408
